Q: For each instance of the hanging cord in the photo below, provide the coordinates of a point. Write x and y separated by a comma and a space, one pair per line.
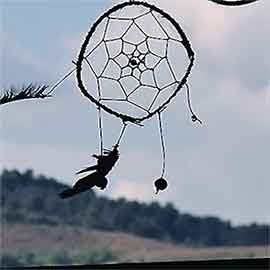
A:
194, 118
162, 144
100, 130
61, 80
122, 133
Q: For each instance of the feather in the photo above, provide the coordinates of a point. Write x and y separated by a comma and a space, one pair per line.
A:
91, 168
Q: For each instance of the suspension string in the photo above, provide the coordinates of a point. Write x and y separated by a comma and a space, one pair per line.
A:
193, 115
100, 130
162, 144
61, 80
122, 133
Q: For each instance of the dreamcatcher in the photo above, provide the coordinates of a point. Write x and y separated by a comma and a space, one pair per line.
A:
133, 62
129, 67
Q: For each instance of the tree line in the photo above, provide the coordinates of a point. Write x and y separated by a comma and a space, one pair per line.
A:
26, 198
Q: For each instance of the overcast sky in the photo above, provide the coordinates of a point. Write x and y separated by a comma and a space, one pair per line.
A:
220, 168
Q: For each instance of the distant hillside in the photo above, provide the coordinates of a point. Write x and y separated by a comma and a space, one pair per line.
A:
27, 244
29, 199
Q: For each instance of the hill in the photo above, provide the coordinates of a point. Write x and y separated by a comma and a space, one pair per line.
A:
27, 244
34, 200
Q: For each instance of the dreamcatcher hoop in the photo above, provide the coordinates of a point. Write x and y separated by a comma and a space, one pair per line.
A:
233, 2
185, 42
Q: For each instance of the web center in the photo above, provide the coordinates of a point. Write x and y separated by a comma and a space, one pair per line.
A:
134, 62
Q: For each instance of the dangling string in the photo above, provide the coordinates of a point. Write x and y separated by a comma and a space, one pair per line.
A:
61, 80
194, 118
100, 130
122, 133
162, 144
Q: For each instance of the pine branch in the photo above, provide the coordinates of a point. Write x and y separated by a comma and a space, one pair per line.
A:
26, 92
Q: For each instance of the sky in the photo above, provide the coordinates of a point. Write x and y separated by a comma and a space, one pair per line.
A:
219, 168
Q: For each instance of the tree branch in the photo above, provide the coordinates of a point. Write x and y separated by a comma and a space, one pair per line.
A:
29, 91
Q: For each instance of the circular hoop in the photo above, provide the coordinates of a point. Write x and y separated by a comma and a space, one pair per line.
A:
233, 3
185, 42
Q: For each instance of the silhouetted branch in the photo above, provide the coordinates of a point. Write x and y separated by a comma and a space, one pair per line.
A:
26, 92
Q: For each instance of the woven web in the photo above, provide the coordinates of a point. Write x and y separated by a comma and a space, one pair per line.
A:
137, 61
134, 65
